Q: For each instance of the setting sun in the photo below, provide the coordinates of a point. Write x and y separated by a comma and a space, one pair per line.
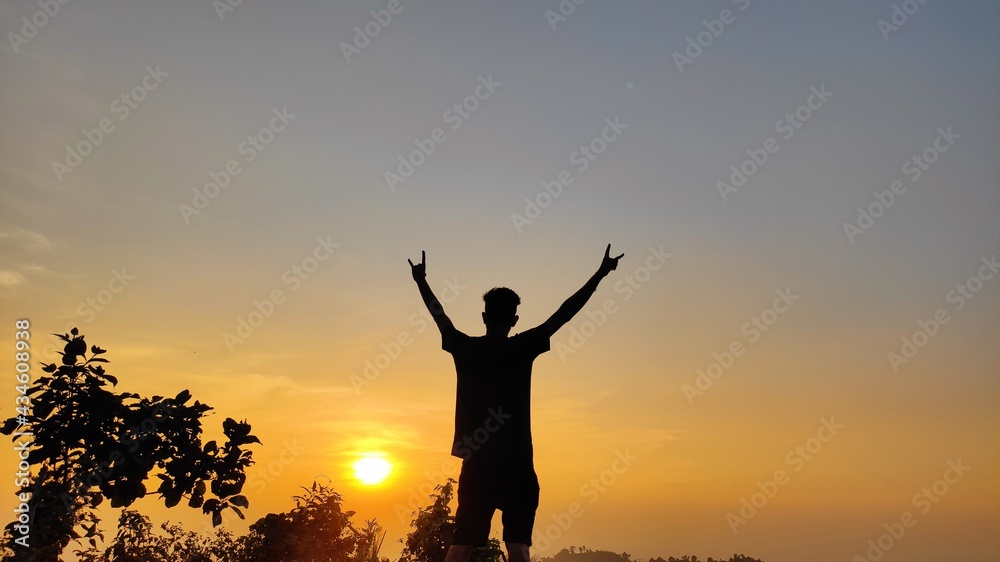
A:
372, 469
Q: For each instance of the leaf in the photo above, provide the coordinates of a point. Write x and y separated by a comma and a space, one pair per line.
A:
77, 346
74, 331
216, 518
240, 501
238, 512
172, 498
183, 396
43, 407
9, 426
210, 505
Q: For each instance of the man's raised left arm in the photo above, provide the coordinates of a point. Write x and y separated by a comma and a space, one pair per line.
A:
419, 271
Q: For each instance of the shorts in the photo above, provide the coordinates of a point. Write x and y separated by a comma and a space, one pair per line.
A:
485, 487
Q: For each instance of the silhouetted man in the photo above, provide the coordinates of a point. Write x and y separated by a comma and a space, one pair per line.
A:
493, 412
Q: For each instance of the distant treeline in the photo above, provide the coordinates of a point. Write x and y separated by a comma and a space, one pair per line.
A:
584, 554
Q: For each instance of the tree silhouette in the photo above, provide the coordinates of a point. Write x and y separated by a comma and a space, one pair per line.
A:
433, 530
136, 542
88, 443
584, 554
316, 530
370, 540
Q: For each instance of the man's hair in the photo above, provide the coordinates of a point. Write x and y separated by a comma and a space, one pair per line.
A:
501, 304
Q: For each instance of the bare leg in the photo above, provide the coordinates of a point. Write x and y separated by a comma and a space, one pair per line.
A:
517, 552
458, 553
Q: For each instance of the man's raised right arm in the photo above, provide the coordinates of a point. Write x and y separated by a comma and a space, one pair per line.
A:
575, 303
418, 271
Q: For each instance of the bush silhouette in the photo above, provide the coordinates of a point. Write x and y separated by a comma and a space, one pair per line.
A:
433, 529
89, 444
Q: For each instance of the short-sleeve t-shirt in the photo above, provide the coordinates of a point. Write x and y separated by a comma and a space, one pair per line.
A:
493, 402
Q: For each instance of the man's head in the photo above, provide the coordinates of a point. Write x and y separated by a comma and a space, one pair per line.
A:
501, 309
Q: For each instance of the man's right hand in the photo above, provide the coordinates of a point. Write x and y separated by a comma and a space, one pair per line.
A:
419, 270
609, 263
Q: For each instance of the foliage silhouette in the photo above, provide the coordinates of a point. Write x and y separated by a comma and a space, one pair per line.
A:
370, 540
316, 530
433, 529
89, 444
584, 554
136, 542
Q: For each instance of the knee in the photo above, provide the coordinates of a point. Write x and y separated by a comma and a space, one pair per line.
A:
517, 552
458, 553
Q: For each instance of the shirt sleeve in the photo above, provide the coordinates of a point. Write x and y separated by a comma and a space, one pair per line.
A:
451, 339
536, 340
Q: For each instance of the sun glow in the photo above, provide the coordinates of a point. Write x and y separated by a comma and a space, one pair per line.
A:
372, 469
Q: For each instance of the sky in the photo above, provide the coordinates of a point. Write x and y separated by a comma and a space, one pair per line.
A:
797, 354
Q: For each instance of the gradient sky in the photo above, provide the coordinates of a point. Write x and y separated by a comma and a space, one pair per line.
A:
64, 236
